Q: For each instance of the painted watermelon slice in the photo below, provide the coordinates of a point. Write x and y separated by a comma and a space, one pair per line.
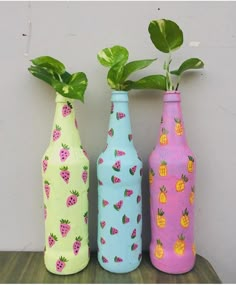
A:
128, 192
115, 179
130, 137
139, 217
100, 160
102, 224
118, 259
125, 219
133, 169
113, 231
133, 235
120, 115
111, 132
117, 165
119, 152
105, 203
118, 205
138, 199
104, 259
134, 246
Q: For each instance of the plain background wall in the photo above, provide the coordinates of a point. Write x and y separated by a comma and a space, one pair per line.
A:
75, 32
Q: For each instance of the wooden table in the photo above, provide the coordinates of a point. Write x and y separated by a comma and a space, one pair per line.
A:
28, 267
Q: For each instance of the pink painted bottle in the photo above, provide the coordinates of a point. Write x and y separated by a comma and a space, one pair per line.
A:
172, 180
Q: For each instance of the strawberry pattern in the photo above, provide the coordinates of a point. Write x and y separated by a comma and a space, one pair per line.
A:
119, 194
172, 180
65, 172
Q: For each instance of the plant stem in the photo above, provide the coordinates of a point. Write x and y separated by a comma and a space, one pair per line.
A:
168, 75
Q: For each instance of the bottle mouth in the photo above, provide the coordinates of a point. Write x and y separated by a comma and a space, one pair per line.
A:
119, 96
172, 96
62, 99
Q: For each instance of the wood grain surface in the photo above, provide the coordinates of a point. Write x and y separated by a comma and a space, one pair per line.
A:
28, 267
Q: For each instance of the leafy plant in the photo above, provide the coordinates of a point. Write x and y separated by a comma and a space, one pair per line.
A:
116, 59
167, 37
53, 72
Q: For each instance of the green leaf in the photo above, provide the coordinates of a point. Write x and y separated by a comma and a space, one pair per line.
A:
135, 66
165, 35
49, 62
148, 82
114, 76
191, 63
110, 56
75, 88
65, 77
42, 74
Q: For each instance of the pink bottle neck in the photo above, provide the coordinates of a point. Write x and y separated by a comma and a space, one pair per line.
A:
172, 131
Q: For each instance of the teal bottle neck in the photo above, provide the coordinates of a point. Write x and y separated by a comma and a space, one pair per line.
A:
119, 131
65, 123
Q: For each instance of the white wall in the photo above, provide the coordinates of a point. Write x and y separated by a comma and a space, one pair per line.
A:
74, 32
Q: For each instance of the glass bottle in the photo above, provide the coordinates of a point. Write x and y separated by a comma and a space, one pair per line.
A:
172, 181
119, 172
65, 173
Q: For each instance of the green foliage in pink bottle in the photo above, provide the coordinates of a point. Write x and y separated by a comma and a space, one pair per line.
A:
65, 172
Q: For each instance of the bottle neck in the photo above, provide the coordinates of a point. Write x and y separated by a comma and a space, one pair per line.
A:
65, 129
119, 131
172, 131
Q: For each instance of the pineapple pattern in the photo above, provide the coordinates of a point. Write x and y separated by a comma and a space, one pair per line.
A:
65, 171
119, 173
172, 191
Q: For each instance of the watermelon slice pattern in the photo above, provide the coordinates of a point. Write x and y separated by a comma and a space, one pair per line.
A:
119, 218
64, 234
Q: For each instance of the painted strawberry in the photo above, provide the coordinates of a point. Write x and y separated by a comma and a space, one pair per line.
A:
64, 152
61, 263
134, 246
105, 203
64, 227
104, 259
52, 240
130, 137
56, 133
65, 174
77, 245
128, 192
113, 231
100, 160
119, 152
72, 199
85, 174
138, 199
84, 151
139, 217
120, 115
134, 233
45, 163
118, 259
125, 219
112, 108
45, 212
111, 132
102, 240
47, 188
102, 224
118, 205
133, 169
86, 218
115, 179
66, 109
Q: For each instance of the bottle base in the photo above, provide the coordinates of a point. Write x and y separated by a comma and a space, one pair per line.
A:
173, 268
119, 270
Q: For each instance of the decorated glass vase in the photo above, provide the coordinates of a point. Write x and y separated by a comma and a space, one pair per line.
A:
119, 172
172, 181
65, 173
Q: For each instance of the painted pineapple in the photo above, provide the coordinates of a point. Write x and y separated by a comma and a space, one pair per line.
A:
163, 137
159, 251
160, 219
163, 195
192, 196
190, 165
151, 176
163, 168
179, 246
184, 221
194, 249
180, 184
179, 130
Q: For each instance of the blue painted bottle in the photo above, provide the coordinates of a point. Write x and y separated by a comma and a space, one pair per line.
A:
119, 172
